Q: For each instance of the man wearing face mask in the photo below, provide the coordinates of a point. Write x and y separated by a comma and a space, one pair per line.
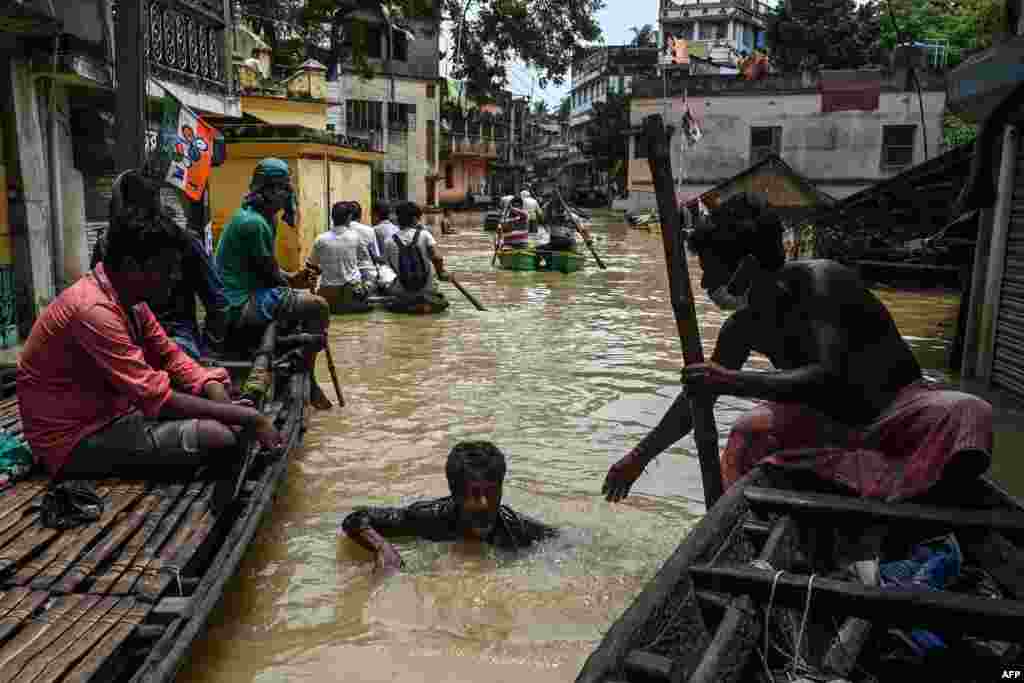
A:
473, 511
257, 289
847, 399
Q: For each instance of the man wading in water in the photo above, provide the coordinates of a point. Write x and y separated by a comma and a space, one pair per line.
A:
847, 399
473, 511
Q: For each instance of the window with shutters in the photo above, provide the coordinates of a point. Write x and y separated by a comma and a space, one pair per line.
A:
898, 146
401, 116
431, 152
764, 140
430, 91
363, 116
449, 176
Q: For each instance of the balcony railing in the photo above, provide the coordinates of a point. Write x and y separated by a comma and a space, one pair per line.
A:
469, 146
185, 43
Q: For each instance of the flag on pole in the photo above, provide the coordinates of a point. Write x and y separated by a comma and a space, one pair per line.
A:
691, 129
186, 144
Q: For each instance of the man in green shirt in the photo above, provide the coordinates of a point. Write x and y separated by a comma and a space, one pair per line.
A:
257, 289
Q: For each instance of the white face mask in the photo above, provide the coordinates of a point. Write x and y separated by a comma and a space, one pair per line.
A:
727, 301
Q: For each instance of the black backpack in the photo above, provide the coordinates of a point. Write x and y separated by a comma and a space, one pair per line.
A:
413, 272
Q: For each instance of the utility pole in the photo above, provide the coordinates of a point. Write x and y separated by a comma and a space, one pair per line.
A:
132, 68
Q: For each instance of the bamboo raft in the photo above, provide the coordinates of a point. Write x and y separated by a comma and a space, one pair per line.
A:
123, 598
702, 618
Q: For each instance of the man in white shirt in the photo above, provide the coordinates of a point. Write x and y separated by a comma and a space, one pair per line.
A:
418, 268
336, 254
532, 208
369, 254
385, 229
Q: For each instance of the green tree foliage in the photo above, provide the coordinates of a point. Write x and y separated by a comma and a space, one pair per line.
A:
540, 108
956, 132
487, 35
606, 140
967, 25
644, 36
544, 34
832, 34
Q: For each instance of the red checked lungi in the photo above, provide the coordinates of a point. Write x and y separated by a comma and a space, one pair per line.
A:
899, 455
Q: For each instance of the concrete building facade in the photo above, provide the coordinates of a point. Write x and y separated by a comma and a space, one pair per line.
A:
839, 152
597, 72
719, 30
398, 109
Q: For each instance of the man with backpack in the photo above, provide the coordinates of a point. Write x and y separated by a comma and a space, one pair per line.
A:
413, 255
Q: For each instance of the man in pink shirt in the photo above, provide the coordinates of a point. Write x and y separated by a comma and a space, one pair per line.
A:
103, 391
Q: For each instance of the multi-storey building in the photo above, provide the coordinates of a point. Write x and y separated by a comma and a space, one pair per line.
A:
398, 109
596, 72
843, 131
719, 30
482, 147
59, 131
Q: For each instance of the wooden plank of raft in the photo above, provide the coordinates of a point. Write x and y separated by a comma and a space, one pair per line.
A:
133, 549
64, 646
20, 612
797, 502
908, 607
126, 584
14, 501
10, 599
40, 632
128, 524
109, 643
61, 555
165, 568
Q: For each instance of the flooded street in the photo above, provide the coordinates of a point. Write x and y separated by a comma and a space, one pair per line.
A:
565, 373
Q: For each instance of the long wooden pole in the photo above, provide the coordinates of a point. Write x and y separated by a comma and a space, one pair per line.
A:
701, 406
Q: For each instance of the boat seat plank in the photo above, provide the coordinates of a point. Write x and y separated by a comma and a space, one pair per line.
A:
21, 612
125, 585
60, 654
40, 632
798, 502
28, 524
121, 498
123, 528
920, 608
133, 549
168, 564
648, 664
736, 636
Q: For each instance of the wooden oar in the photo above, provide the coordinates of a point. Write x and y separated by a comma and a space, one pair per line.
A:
702, 407
327, 345
472, 299
498, 235
587, 241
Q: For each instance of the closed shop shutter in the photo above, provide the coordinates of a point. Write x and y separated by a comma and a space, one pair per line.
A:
1008, 357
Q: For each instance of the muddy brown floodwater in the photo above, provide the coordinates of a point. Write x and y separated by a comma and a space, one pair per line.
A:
565, 373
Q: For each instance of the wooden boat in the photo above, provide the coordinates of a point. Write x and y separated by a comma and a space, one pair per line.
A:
529, 259
123, 598
702, 617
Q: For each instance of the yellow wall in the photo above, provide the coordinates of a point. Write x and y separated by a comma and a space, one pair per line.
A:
282, 112
350, 180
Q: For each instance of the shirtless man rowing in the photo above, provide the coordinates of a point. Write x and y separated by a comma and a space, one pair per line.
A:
847, 398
